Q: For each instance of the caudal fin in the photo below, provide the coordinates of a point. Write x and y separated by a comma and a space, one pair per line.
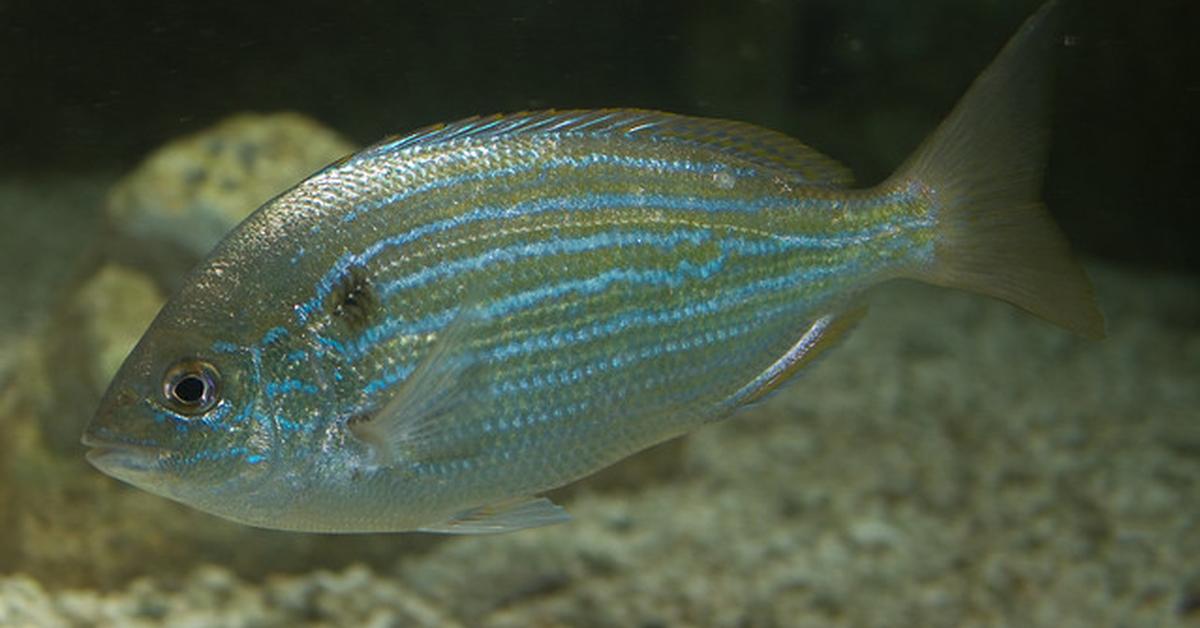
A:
982, 169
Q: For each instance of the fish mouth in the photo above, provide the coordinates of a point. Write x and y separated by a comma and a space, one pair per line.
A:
122, 459
130, 458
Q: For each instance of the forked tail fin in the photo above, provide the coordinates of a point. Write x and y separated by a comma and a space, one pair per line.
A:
982, 170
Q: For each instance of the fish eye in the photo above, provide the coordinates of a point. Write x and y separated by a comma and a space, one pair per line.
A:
191, 386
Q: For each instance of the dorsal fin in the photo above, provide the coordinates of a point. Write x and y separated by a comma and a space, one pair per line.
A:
754, 144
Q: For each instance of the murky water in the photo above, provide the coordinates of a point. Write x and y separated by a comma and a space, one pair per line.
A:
955, 462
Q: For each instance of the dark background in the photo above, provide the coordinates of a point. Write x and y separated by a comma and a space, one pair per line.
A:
95, 86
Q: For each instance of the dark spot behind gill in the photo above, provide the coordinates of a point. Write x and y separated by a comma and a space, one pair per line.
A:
361, 417
353, 300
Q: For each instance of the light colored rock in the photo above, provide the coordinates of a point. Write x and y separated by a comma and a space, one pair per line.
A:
213, 596
83, 346
115, 306
186, 195
23, 602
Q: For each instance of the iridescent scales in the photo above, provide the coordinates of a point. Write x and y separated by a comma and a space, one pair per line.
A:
429, 333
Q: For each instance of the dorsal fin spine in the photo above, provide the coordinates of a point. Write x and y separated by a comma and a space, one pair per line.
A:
753, 144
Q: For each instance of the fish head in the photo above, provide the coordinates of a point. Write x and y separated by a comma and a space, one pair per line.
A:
183, 417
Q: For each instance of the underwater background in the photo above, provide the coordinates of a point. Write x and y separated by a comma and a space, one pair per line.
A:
956, 462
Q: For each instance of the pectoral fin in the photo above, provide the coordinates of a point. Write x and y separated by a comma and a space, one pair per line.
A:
417, 423
824, 333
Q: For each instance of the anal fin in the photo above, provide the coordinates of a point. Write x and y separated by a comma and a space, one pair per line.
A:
507, 516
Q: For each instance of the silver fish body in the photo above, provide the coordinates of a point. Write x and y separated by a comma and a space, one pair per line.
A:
431, 332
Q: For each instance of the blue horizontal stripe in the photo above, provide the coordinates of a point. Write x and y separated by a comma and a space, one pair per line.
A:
531, 163
620, 322
772, 245
536, 206
508, 305
626, 359
616, 362
577, 203
517, 252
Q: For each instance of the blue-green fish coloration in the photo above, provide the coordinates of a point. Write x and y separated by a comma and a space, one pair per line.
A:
432, 332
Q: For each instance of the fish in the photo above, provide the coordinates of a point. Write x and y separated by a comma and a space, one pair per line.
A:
431, 333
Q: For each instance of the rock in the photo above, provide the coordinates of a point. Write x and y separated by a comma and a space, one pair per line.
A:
169, 212
23, 602
115, 306
86, 343
213, 596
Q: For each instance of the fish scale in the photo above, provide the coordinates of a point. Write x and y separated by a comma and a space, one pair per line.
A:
653, 278
431, 332
646, 367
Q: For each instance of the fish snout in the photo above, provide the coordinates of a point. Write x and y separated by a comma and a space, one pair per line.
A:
104, 426
117, 444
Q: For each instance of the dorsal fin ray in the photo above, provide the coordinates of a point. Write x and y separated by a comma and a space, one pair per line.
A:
759, 146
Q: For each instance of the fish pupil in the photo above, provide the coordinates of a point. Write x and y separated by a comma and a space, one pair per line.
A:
190, 389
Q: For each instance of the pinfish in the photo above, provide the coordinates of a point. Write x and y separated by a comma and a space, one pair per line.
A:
430, 333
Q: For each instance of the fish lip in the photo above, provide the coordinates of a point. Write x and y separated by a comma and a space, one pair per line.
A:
108, 456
